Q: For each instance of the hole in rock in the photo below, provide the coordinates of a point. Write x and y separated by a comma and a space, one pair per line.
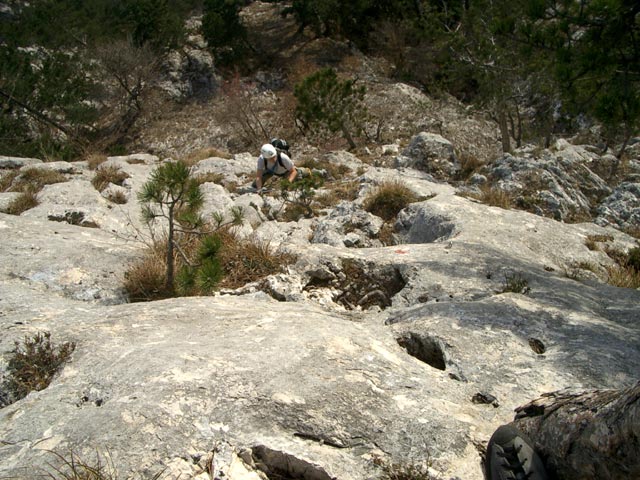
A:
537, 346
361, 285
278, 465
425, 348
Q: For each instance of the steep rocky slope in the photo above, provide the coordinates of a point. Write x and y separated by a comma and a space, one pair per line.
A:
280, 375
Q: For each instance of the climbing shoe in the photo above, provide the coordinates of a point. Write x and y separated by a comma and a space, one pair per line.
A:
511, 456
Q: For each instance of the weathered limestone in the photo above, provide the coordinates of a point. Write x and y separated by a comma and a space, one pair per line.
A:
358, 351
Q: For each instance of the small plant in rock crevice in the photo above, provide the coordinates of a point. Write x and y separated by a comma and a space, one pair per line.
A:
22, 203
30, 181
106, 175
73, 466
33, 364
515, 283
626, 272
403, 471
299, 196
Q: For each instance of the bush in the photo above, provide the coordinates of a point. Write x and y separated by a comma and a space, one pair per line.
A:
328, 102
388, 199
33, 364
24, 202
106, 175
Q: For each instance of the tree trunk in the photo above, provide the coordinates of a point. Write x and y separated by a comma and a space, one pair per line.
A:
170, 268
348, 137
504, 129
588, 435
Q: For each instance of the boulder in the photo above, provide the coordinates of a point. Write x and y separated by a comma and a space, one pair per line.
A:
621, 208
431, 153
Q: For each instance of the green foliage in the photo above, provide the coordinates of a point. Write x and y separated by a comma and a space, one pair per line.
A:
205, 272
596, 59
173, 194
300, 194
53, 87
33, 364
223, 30
328, 102
388, 199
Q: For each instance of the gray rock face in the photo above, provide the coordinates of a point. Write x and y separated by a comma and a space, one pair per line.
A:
358, 351
350, 226
556, 183
431, 153
622, 207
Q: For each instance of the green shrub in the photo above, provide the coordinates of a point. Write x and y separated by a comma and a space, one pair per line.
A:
388, 199
327, 102
299, 195
33, 364
106, 175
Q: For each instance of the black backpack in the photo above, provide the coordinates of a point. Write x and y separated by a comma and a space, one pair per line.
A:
281, 146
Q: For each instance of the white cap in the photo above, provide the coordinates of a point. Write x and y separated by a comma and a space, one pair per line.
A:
268, 151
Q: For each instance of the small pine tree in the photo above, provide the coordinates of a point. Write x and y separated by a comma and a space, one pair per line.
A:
173, 194
326, 101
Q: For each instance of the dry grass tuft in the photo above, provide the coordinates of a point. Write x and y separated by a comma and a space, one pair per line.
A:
6, 179
245, 261
106, 175
145, 279
626, 274
592, 241
24, 202
388, 199
338, 191
118, 197
94, 160
334, 171
469, 164
495, 197
209, 177
34, 179
194, 157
